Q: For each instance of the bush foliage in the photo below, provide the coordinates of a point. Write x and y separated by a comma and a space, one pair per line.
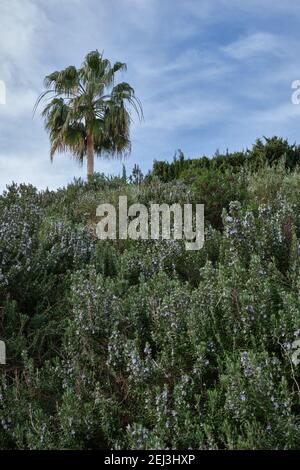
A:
143, 345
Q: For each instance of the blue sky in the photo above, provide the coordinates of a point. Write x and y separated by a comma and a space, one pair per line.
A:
211, 74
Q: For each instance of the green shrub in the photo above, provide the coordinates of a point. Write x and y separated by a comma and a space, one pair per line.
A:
142, 345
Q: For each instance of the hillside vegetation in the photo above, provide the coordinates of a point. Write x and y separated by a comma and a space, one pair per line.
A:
142, 344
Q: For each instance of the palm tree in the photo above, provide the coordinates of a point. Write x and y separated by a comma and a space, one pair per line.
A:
86, 113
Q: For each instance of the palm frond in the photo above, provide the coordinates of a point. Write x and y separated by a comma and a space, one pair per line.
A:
84, 101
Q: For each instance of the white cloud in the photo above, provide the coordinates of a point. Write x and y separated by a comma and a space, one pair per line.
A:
186, 113
253, 45
18, 23
35, 168
192, 79
19, 103
283, 113
22, 22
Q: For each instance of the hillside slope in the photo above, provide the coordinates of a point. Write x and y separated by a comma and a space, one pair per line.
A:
142, 344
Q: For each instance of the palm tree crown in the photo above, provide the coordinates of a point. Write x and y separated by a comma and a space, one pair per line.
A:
87, 113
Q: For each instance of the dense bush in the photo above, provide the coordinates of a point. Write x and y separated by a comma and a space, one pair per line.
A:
265, 151
143, 345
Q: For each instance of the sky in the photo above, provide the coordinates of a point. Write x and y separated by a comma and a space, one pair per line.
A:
211, 75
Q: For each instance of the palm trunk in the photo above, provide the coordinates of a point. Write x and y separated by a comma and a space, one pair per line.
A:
90, 156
